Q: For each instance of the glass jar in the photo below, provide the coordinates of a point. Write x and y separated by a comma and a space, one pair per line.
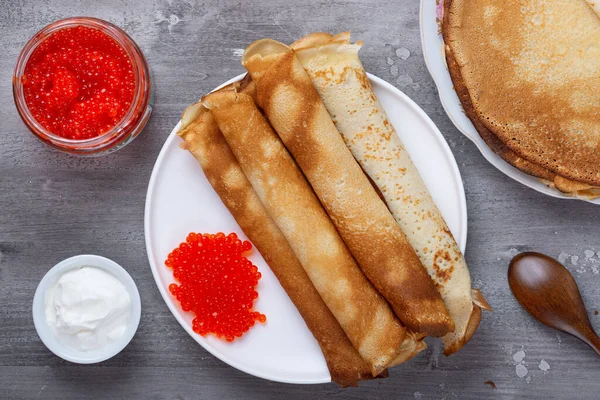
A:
124, 131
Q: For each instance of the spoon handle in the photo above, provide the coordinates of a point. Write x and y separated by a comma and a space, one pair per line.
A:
591, 339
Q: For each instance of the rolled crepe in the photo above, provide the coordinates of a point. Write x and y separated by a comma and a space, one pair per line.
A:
362, 313
339, 77
595, 4
286, 94
207, 144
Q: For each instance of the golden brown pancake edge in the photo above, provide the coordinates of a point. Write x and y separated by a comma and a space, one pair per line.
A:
562, 183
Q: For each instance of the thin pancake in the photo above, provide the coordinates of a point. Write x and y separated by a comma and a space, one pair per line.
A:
286, 94
563, 184
204, 140
338, 75
362, 313
532, 82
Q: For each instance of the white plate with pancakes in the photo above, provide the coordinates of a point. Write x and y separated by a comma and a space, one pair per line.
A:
431, 14
181, 200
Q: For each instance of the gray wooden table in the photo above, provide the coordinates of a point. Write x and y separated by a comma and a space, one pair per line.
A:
53, 206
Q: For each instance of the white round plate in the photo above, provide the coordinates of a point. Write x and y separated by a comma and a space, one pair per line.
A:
435, 59
181, 200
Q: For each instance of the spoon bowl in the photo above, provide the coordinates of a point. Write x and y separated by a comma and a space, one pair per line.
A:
549, 293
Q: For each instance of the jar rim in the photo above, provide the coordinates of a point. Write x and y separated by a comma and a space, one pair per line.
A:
138, 62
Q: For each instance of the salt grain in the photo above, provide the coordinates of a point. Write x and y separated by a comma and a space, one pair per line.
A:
402, 53
519, 356
562, 257
544, 366
588, 254
404, 80
509, 254
574, 260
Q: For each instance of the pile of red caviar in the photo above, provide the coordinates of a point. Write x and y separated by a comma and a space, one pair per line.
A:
217, 283
78, 83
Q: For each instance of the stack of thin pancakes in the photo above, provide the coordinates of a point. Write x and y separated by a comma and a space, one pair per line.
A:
304, 157
527, 73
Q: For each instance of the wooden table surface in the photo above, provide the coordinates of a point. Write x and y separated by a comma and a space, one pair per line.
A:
53, 206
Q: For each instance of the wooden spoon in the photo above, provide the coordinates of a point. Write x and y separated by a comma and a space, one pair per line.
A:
548, 292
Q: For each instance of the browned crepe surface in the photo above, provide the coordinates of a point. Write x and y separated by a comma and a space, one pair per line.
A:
204, 140
294, 108
336, 71
362, 313
497, 146
545, 127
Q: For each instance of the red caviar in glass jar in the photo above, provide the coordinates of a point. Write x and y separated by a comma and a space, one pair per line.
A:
79, 83
217, 283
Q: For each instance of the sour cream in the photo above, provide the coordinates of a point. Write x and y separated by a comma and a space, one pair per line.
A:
87, 308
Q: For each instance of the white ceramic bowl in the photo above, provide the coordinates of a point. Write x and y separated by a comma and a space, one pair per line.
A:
47, 335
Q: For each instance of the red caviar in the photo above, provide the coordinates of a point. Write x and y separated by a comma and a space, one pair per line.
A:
217, 283
79, 83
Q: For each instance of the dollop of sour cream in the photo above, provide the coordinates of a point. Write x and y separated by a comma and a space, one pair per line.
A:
87, 308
